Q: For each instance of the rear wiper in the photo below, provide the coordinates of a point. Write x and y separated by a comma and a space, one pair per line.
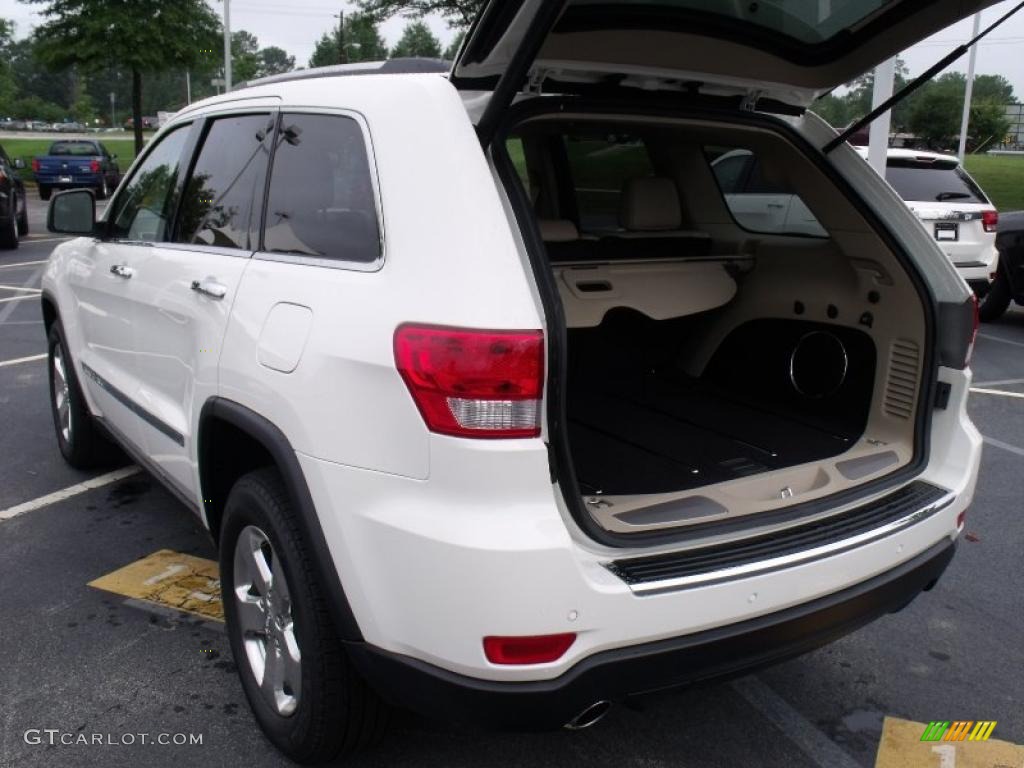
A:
951, 196
916, 83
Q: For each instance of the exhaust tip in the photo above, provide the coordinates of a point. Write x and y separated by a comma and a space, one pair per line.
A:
589, 716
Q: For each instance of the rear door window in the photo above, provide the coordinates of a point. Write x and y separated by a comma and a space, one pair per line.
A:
321, 202
222, 201
933, 182
600, 166
143, 207
756, 201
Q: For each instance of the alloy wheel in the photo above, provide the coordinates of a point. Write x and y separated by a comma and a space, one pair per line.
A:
61, 393
264, 607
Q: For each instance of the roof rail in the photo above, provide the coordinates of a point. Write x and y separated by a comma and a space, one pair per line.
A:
401, 66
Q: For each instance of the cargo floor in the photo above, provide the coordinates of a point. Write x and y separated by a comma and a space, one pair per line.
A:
663, 436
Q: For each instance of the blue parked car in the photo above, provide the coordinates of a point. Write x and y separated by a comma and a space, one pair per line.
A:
76, 163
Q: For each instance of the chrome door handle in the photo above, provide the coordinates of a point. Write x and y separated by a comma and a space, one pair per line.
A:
210, 287
122, 270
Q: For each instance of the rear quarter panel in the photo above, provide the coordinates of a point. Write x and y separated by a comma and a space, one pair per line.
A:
450, 259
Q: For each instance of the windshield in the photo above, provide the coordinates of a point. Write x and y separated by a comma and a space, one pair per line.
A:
933, 183
73, 148
809, 22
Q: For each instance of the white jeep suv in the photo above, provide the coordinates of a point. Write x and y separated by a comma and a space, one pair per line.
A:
494, 407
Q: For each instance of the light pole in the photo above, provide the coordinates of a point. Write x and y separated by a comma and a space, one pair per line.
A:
113, 113
966, 119
878, 133
342, 53
227, 45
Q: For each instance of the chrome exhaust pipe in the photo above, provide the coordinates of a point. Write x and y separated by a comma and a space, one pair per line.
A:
589, 716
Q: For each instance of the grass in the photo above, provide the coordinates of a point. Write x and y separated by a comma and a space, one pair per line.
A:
1002, 178
26, 149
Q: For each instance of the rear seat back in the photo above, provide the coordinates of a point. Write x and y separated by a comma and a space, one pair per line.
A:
652, 220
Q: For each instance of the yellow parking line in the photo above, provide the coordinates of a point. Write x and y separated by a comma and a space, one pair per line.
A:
171, 579
901, 747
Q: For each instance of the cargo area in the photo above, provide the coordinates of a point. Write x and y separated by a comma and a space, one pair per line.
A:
739, 339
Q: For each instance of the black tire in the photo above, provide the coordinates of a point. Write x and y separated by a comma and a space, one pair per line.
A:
334, 712
996, 301
44, 192
23, 216
83, 446
9, 233
102, 191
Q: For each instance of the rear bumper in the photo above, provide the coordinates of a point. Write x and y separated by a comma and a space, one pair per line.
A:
617, 674
78, 180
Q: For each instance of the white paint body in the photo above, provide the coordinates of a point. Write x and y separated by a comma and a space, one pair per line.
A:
438, 540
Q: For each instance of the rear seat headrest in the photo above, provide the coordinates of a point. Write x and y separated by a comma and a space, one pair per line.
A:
558, 231
650, 204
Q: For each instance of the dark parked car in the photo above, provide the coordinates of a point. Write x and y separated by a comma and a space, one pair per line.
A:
76, 163
1009, 282
13, 204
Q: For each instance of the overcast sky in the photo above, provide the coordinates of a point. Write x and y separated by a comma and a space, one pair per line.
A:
295, 25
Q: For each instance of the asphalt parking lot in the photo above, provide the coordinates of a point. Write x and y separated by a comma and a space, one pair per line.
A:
86, 661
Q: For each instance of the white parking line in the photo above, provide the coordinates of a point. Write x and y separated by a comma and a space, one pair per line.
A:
998, 338
1000, 383
22, 264
1004, 446
20, 298
16, 288
1001, 392
31, 239
818, 747
67, 493
20, 360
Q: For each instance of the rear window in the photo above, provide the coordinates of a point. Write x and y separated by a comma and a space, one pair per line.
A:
321, 202
933, 182
74, 148
600, 166
758, 202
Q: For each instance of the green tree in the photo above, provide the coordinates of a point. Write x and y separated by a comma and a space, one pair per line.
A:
989, 124
8, 88
993, 88
460, 13
935, 116
417, 40
155, 36
275, 61
325, 53
245, 56
363, 41
83, 110
453, 47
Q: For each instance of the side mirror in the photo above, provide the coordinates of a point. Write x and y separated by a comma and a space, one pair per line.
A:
19, 164
72, 212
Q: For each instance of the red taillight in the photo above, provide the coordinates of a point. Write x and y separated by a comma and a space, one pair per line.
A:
473, 383
94, 166
536, 649
35, 165
990, 220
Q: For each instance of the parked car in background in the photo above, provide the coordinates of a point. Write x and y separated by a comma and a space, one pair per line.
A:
952, 207
76, 163
1008, 284
13, 203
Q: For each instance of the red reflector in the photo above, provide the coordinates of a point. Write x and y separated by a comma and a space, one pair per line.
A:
35, 164
94, 166
473, 383
961, 519
537, 649
990, 220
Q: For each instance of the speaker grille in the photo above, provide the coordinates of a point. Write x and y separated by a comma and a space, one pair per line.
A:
901, 388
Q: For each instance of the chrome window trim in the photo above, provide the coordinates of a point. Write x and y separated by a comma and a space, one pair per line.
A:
797, 558
371, 158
